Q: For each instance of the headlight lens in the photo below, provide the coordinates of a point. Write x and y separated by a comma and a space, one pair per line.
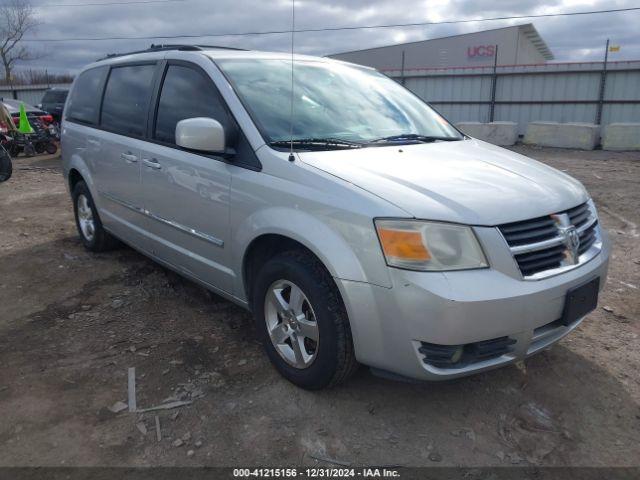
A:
429, 246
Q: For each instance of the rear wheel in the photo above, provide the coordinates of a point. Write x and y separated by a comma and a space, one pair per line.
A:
302, 321
51, 148
93, 235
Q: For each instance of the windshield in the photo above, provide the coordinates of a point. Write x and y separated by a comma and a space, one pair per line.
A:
333, 102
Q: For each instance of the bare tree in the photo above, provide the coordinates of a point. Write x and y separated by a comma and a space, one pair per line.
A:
17, 17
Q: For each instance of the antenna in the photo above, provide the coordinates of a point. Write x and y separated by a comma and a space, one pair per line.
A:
293, 33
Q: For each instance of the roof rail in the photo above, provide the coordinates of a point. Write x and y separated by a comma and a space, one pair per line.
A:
166, 47
189, 47
204, 47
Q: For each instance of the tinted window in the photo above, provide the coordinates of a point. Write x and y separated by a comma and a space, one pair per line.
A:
124, 109
186, 93
85, 99
55, 96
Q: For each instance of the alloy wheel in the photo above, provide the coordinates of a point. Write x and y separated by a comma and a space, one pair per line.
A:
291, 324
85, 218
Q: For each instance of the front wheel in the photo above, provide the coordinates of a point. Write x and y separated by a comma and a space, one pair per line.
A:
303, 322
14, 149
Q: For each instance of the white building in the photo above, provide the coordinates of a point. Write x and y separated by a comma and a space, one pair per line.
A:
516, 45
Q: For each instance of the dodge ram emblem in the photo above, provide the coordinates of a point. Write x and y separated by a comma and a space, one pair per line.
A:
570, 237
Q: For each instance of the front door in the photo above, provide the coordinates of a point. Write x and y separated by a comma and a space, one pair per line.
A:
186, 194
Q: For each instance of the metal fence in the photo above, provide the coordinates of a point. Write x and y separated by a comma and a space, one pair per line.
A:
559, 92
31, 94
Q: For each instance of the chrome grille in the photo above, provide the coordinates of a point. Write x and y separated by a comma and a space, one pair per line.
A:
542, 246
579, 215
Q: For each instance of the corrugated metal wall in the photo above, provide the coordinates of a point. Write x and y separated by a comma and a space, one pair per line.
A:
31, 94
560, 92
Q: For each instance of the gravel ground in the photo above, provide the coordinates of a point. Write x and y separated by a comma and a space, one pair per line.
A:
72, 323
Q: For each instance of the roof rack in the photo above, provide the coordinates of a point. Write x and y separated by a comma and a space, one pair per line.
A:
167, 47
205, 47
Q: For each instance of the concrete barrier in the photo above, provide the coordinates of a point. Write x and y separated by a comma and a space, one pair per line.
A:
498, 133
582, 136
621, 136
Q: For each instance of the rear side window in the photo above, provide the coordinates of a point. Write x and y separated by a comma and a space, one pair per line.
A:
186, 93
126, 98
54, 96
84, 103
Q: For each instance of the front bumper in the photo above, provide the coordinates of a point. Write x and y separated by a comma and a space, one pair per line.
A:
463, 307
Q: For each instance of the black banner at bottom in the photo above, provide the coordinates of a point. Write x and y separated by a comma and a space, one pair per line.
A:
339, 472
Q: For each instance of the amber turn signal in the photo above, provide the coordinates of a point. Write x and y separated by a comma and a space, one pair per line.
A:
403, 244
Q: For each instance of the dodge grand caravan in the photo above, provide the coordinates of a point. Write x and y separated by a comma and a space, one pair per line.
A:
357, 224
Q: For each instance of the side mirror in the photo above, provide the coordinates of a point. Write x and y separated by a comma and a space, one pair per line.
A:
201, 134
38, 105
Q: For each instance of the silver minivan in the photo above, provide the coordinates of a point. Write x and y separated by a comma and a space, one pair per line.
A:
355, 222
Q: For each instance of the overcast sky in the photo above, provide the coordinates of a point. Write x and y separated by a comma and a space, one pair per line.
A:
570, 38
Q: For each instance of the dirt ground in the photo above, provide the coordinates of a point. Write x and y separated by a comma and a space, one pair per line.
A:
72, 323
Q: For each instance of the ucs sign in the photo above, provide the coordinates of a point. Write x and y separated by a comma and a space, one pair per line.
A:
481, 51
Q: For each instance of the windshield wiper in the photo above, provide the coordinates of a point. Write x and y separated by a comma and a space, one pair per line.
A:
414, 137
317, 143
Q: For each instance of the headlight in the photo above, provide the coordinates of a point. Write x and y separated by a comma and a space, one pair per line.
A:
429, 246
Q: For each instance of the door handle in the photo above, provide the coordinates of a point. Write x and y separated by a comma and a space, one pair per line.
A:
93, 143
129, 157
152, 163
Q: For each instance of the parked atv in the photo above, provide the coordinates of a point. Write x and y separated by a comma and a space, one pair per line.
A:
31, 137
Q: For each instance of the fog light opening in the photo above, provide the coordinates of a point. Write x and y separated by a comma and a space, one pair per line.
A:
458, 356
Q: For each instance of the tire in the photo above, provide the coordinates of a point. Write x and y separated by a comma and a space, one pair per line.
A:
51, 148
6, 166
14, 150
39, 147
327, 361
96, 238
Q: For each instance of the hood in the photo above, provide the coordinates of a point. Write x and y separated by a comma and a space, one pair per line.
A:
469, 181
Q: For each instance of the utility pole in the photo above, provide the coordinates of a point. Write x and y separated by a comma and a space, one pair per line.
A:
603, 83
402, 69
494, 81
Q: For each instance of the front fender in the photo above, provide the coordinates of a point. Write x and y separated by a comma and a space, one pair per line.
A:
327, 243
